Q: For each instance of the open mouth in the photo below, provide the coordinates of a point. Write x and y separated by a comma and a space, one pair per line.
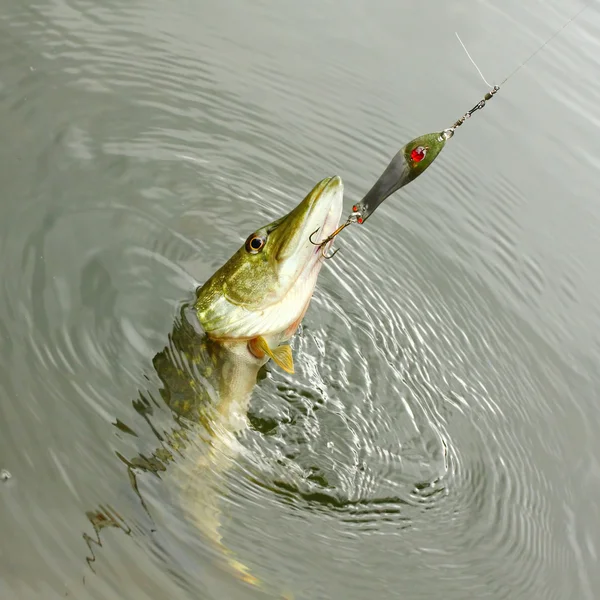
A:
315, 218
332, 218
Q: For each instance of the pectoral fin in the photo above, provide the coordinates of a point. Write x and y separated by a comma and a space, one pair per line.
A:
282, 355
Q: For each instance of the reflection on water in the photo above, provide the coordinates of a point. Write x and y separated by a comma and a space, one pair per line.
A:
438, 436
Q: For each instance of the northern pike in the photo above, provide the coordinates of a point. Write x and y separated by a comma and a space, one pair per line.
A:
242, 317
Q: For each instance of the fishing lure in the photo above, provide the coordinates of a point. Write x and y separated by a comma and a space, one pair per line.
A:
416, 156
410, 161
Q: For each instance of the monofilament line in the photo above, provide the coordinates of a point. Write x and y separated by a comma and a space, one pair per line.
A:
471, 59
546, 42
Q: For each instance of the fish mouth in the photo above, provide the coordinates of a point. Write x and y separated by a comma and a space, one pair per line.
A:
331, 194
316, 218
332, 218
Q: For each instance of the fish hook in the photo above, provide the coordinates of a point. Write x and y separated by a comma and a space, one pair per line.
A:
329, 238
323, 243
328, 256
354, 217
311, 235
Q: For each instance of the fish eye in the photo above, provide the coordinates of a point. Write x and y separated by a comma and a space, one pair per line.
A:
255, 243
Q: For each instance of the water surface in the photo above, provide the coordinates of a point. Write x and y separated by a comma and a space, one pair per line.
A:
439, 436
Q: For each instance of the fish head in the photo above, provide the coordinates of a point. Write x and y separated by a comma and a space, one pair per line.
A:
265, 288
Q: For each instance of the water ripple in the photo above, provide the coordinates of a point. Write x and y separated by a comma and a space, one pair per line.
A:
422, 440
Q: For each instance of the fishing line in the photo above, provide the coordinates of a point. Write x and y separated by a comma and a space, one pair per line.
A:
496, 88
548, 41
471, 59
418, 154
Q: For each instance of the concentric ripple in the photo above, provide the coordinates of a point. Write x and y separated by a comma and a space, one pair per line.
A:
438, 438
407, 433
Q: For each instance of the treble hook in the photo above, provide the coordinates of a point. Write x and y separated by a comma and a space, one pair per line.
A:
322, 244
351, 219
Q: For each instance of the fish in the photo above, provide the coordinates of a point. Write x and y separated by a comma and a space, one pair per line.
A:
241, 318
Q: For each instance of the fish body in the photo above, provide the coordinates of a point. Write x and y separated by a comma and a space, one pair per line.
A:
242, 317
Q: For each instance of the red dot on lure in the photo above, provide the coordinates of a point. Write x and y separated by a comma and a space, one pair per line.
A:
418, 154
359, 220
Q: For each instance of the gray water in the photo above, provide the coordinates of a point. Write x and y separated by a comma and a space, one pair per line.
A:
439, 438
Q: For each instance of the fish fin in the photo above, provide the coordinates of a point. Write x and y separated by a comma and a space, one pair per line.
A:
282, 355
242, 572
